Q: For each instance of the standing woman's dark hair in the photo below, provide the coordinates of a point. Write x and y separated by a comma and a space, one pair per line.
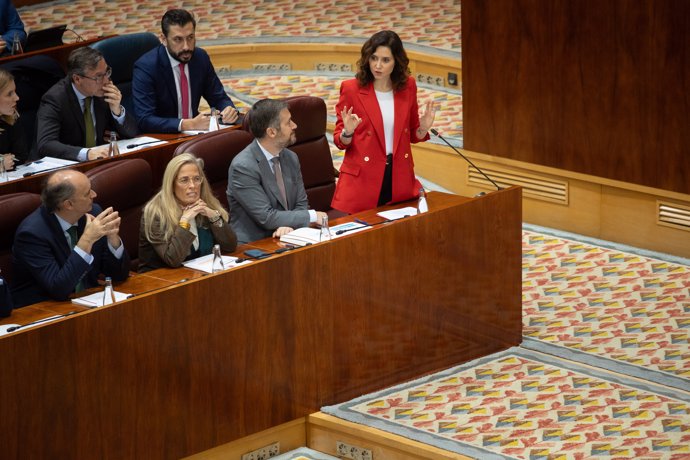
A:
377, 120
391, 40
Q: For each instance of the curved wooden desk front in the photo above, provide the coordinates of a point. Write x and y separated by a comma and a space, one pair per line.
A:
190, 365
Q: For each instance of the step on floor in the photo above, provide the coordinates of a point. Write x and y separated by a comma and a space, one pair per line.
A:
304, 453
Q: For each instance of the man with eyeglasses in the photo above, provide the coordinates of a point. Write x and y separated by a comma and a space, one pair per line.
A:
169, 81
77, 111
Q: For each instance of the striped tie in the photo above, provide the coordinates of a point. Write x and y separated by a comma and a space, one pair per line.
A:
90, 132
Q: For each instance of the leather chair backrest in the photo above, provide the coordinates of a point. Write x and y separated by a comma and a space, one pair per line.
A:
126, 185
217, 149
33, 76
310, 115
14, 207
121, 53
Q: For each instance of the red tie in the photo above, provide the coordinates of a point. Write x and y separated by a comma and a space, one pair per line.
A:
184, 92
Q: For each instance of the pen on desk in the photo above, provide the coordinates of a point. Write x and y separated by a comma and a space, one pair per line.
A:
363, 222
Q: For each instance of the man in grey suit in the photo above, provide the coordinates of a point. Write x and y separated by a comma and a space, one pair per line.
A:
265, 188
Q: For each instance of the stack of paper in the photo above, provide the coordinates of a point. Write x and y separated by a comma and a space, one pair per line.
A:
395, 214
302, 236
204, 263
96, 299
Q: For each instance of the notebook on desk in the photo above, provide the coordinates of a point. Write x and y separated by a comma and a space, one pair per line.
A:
44, 38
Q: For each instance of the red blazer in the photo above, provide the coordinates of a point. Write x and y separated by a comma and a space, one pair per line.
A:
361, 173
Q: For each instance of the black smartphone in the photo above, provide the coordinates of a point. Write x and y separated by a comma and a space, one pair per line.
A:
256, 253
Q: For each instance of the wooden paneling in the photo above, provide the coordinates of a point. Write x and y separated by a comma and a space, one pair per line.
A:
204, 362
593, 86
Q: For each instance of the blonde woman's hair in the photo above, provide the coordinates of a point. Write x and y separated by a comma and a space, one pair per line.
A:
5, 79
164, 209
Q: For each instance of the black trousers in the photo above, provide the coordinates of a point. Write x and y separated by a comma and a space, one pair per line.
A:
386, 193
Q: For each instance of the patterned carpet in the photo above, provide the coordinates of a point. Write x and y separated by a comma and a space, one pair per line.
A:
429, 28
603, 371
526, 405
591, 301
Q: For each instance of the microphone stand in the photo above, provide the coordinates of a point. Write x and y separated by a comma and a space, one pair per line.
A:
436, 133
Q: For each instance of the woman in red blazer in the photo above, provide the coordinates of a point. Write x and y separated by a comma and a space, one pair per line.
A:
377, 120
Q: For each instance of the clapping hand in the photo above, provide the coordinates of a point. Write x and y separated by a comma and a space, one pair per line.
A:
107, 223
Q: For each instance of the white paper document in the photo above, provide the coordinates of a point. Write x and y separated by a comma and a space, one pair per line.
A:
395, 214
302, 236
203, 131
309, 235
35, 167
204, 263
96, 299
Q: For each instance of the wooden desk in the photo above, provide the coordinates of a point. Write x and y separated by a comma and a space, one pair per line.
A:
177, 371
59, 53
157, 156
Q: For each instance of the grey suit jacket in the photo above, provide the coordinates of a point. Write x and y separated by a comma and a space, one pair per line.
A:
60, 122
255, 201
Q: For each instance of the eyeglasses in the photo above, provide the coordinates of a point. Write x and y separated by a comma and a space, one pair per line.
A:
184, 181
99, 78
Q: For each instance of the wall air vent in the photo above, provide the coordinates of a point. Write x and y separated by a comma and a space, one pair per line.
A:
673, 215
533, 186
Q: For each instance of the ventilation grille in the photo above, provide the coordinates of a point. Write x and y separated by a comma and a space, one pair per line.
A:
673, 215
536, 187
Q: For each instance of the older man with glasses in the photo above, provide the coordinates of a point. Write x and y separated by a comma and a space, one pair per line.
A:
76, 112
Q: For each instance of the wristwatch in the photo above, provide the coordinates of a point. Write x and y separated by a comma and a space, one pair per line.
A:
346, 135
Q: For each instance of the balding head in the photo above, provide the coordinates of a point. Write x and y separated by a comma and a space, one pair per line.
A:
69, 191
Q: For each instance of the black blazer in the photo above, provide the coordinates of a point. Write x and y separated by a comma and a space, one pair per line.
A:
60, 122
12, 141
45, 267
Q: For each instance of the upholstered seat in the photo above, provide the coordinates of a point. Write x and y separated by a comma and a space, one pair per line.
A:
121, 53
14, 207
310, 115
126, 186
313, 150
217, 149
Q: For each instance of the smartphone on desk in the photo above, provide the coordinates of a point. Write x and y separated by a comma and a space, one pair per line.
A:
256, 253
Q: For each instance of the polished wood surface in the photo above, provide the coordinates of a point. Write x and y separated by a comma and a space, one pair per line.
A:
157, 156
208, 360
592, 86
59, 53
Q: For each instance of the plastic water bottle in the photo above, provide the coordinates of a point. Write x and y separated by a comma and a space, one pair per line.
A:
213, 122
217, 265
113, 149
325, 230
108, 293
421, 203
17, 45
3, 172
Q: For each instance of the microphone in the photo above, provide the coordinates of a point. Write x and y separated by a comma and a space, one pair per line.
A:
366, 224
131, 146
31, 173
39, 321
435, 133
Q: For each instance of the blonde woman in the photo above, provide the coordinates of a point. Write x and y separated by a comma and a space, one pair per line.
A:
183, 220
12, 143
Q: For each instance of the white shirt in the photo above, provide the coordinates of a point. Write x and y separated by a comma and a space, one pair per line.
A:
388, 113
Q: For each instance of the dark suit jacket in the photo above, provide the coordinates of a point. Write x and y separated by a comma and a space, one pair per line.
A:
60, 122
46, 268
256, 207
155, 94
12, 141
362, 170
10, 24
